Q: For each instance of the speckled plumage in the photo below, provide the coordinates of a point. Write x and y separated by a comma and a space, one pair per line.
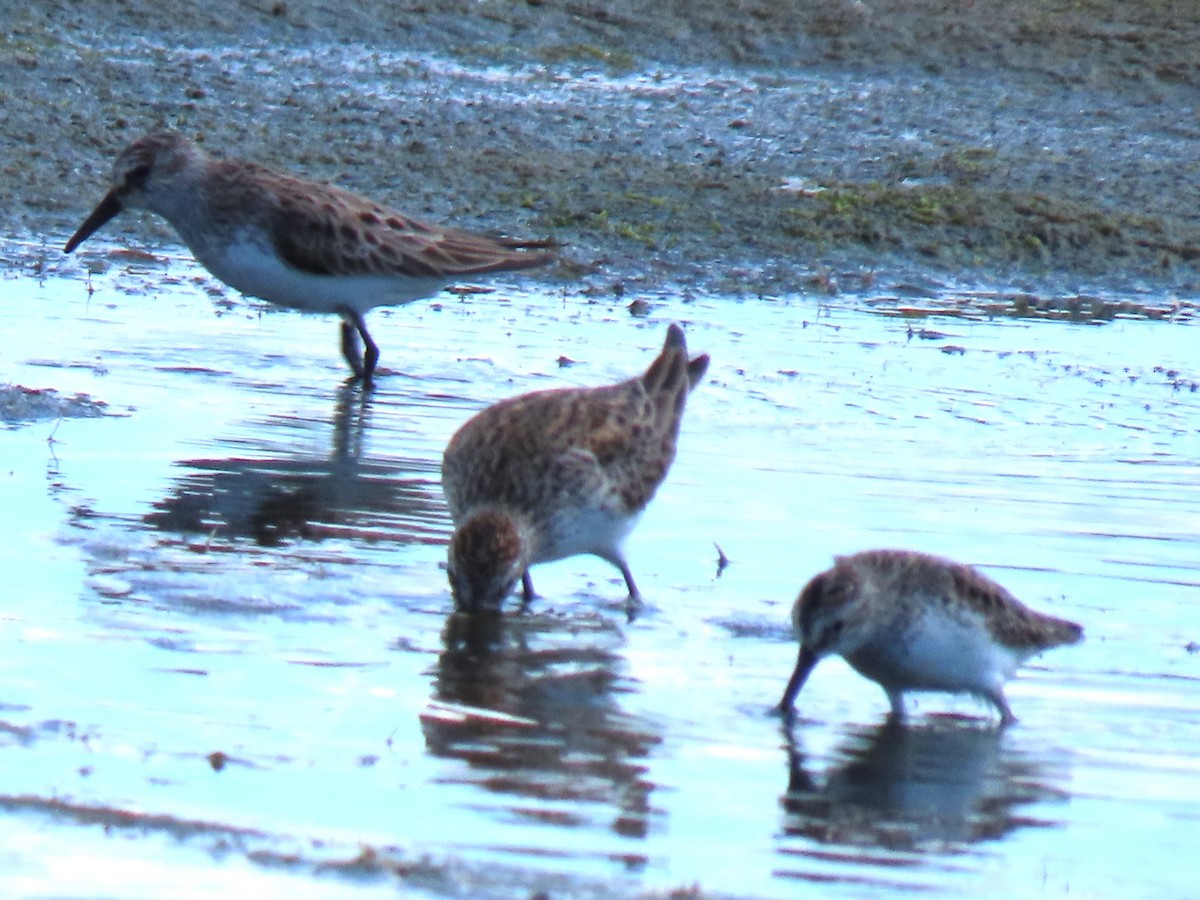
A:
556, 473
298, 243
911, 621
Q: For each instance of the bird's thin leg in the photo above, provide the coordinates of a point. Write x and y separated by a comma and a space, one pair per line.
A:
370, 349
352, 322
997, 698
527, 592
634, 601
350, 347
634, 593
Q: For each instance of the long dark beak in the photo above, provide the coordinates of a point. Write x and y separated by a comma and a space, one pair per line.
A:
804, 666
109, 207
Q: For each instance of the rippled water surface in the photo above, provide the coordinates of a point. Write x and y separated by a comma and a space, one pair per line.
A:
227, 661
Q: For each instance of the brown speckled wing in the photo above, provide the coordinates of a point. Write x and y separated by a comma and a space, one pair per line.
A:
1010, 621
636, 423
547, 449
323, 230
633, 441
490, 459
607, 447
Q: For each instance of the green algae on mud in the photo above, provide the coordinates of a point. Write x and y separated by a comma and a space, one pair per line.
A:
963, 225
1083, 308
991, 142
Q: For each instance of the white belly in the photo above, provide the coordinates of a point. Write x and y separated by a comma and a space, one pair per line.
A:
594, 531
254, 271
937, 653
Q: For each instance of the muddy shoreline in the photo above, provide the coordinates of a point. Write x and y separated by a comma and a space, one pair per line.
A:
754, 148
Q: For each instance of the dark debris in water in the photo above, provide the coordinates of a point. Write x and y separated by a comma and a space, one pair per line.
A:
111, 817
926, 334
755, 628
19, 405
1178, 380
722, 559
1021, 305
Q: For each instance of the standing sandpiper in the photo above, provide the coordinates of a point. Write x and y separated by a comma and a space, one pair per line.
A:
913, 622
556, 473
297, 243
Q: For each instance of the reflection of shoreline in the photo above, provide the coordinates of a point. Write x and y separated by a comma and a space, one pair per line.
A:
933, 787
277, 495
529, 706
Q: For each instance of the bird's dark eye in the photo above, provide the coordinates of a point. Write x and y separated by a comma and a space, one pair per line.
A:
137, 176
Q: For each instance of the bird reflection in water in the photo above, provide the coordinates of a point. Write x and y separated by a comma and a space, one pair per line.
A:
280, 493
529, 703
937, 786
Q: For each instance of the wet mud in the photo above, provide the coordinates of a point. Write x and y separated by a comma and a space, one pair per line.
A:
758, 148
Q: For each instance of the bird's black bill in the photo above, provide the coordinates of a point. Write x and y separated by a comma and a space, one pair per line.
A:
804, 666
108, 208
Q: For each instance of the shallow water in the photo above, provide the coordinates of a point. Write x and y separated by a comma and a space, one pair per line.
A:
228, 664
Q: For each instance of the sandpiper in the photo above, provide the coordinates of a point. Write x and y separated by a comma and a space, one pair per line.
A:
297, 243
557, 473
914, 622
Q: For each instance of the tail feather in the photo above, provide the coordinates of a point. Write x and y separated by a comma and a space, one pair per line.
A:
548, 243
1067, 632
672, 366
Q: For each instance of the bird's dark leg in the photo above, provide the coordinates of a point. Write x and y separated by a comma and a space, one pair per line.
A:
634, 601
352, 323
527, 592
370, 351
1006, 714
350, 348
